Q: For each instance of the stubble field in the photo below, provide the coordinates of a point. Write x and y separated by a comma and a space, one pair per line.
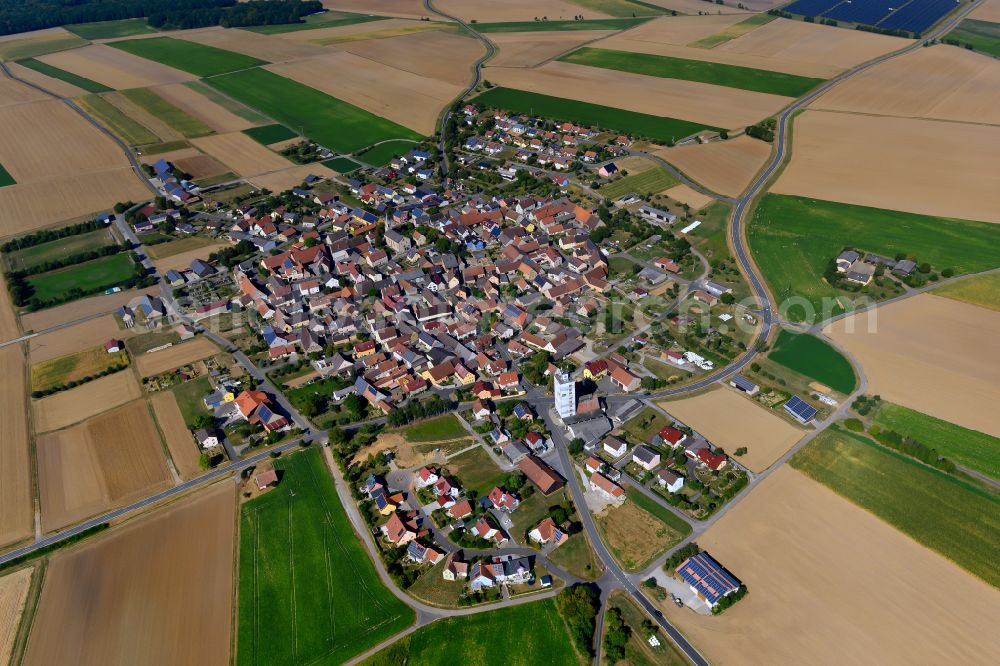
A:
487, 11
443, 55
278, 181
241, 153
527, 49
81, 336
61, 314
183, 450
198, 105
15, 462
182, 260
726, 167
68, 407
251, 44
114, 68
50, 83
13, 592
153, 363
159, 590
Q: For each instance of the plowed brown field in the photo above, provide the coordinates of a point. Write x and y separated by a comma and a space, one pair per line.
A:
15, 464
153, 363
77, 404
181, 444
726, 167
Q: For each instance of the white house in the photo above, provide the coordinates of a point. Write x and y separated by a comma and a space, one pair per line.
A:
670, 480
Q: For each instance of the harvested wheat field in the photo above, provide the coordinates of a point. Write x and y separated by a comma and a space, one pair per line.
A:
827, 587
115, 68
921, 166
278, 181
16, 521
689, 196
182, 447
77, 404
490, 11
8, 320
12, 92
107, 461
349, 32
687, 100
182, 260
726, 167
159, 591
405, 8
253, 44
241, 153
13, 593
679, 30
988, 11
201, 107
695, 6
85, 307
765, 435
408, 99
527, 49
86, 334
140, 115
53, 85
153, 363
200, 166
171, 155
939, 82
443, 55
932, 354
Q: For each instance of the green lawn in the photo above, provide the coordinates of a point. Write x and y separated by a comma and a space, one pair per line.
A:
982, 290
577, 557
331, 122
190, 398
475, 470
58, 249
523, 635
325, 20
111, 29
434, 430
5, 177
103, 272
983, 35
177, 118
307, 591
973, 449
545, 26
341, 164
810, 356
192, 57
132, 132
641, 428
380, 155
228, 103
269, 134
733, 31
946, 514
657, 128
646, 183
794, 239
61, 74
672, 520
667, 67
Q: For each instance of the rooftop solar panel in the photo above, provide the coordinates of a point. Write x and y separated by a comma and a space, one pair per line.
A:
800, 409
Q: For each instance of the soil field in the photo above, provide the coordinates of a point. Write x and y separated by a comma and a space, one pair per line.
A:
15, 463
411, 100
183, 450
487, 11
446, 56
200, 166
635, 536
74, 367
765, 435
182, 260
159, 590
107, 461
114, 68
198, 105
939, 82
153, 363
68, 407
697, 102
49, 83
405, 8
13, 593
949, 369
251, 44
726, 167
278, 181
685, 194
241, 153
807, 583
983, 290
44, 319
527, 49
74, 338
921, 166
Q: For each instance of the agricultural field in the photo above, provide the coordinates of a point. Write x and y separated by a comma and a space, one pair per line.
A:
187, 125
15, 462
241, 153
251, 44
40, 42
635, 536
810, 356
647, 183
975, 450
341, 164
5, 177
73, 79
195, 58
327, 19
69, 312
542, 637
766, 436
883, 162
529, 49
111, 29
486, 11
268, 134
110, 460
204, 108
153, 363
183, 449
128, 129
68, 407
333, 123
984, 36
732, 32
158, 588
13, 594
225, 102
522, 101
286, 179
57, 250
556, 25
953, 517
74, 367
182, 259
794, 239
798, 564
381, 155
732, 76
440, 55
981, 290
307, 590
114, 68
345, 34
90, 333
96, 274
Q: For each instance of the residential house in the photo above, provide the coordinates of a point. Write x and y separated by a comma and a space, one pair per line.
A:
547, 531
645, 457
670, 480
503, 500
624, 379
614, 446
546, 479
607, 488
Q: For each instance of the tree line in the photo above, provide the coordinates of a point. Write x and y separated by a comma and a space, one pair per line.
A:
48, 235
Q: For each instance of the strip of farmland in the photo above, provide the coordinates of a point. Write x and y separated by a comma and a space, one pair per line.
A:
192, 57
61, 74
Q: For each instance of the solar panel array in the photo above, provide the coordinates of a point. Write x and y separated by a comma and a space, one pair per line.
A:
707, 576
811, 7
918, 15
868, 12
911, 15
800, 408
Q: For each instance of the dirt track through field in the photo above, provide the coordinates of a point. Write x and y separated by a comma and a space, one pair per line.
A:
158, 591
68, 407
13, 592
114, 68
832, 584
15, 464
153, 363
178, 438
726, 167
921, 166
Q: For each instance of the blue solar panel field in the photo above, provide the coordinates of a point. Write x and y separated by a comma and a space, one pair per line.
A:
919, 15
811, 7
910, 15
868, 12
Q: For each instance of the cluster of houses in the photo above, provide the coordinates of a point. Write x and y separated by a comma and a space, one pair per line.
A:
175, 189
860, 269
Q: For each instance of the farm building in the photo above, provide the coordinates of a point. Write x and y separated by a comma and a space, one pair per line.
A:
707, 578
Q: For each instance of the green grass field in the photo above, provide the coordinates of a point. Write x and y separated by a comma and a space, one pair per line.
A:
475, 470
731, 76
649, 182
5, 177
533, 634
382, 154
74, 367
164, 147
180, 120
983, 35
307, 591
231, 105
810, 356
331, 122
341, 164
946, 514
190, 399
973, 449
111, 29
30, 47
99, 273
129, 130
793, 240
547, 26
270, 134
654, 127
733, 31
434, 430
982, 290
325, 20
192, 57
58, 249
61, 74
669, 518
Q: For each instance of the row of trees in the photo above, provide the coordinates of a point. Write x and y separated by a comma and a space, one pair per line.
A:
77, 382
578, 606
415, 410
49, 235
71, 260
